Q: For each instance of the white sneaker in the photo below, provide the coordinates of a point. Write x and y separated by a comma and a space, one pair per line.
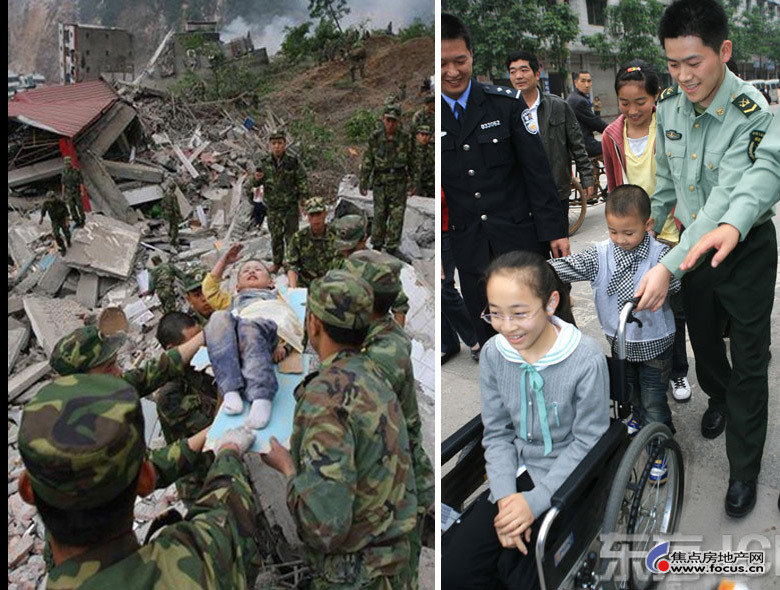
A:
681, 389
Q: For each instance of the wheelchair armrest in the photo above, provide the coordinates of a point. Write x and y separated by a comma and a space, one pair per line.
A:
589, 468
470, 431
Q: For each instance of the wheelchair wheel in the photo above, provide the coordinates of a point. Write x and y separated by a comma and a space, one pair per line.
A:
637, 509
598, 172
578, 206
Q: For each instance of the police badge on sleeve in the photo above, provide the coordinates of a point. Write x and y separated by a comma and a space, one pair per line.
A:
528, 122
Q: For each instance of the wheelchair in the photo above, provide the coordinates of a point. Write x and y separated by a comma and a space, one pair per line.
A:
608, 505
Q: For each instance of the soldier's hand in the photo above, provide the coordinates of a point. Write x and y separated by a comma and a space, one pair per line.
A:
233, 253
279, 458
363, 191
560, 247
724, 239
239, 439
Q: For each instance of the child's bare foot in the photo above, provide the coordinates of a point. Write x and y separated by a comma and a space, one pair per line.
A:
233, 403
259, 414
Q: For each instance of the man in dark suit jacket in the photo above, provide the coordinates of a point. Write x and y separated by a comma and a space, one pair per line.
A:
495, 174
589, 122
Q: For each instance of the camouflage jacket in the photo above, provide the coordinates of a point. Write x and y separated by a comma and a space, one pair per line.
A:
285, 183
214, 547
353, 496
187, 405
153, 374
424, 169
401, 303
164, 276
423, 117
170, 205
71, 180
310, 256
57, 210
173, 461
386, 161
390, 348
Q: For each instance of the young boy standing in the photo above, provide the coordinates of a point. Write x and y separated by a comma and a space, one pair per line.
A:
708, 127
615, 267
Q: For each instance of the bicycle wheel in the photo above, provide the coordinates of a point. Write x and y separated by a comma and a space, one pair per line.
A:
638, 509
578, 206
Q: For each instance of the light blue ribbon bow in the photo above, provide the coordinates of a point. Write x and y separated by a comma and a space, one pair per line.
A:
530, 374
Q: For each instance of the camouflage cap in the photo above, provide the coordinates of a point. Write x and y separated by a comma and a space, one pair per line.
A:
349, 231
380, 270
84, 349
193, 279
67, 160
392, 111
51, 195
315, 205
82, 440
341, 299
424, 129
277, 135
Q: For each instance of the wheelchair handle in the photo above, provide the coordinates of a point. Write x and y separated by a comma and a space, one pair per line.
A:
626, 317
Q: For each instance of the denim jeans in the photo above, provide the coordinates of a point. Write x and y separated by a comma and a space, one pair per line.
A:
455, 318
241, 354
648, 383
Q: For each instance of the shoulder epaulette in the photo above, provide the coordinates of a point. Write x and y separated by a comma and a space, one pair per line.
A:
669, 92
745, 104
507, 91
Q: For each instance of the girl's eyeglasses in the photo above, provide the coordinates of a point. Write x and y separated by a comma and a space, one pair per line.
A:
514, 318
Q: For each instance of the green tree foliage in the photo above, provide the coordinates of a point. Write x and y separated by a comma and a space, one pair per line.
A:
329, 10
360, 125
500, 26
296, 44
630, 32
416, 29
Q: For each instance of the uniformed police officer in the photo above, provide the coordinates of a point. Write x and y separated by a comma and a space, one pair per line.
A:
496, 178
82, 443
708, 127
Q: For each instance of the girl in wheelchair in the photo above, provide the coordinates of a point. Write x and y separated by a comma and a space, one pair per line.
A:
545, 404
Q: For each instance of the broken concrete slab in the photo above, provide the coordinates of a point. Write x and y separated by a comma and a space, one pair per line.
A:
184, 205
15, 305
17, 340
34, 172
271, 491
144, 194
51, 319
18, 250
107, 130
102, 190
20, 382
30, 392
87, 290
133, 171
104, 246
52, 278
31, 279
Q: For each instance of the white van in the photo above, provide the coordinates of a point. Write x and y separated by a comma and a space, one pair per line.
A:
772, 86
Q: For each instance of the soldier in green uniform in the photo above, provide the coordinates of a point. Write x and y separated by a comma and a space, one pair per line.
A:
350, 478
71, 187
171, 212
312, 249
390, 348
708, 127
424, 163
81, 439
285, 190
386, 169
58, 214
426, 115
87, 350
162, 281
191, 283
350, 233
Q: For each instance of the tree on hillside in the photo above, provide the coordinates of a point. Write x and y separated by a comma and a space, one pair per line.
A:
500, 26
630, 32
332, 10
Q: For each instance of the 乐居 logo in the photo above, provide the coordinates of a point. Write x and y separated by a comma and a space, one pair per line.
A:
656, 559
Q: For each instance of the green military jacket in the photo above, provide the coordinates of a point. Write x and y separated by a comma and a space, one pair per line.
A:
71, 180
186, 405
285, 182
214, 547
423, 117
352, 496
57, 210
424, 169
310, 256
700, 159
390, 348
387, 161
164, 276
155, 373
401, 303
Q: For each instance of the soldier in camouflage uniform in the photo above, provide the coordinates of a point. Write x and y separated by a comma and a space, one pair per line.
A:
171, 212
424, 163
425, 115
390, 348
86, 350
357, 60
387, 170
285, 190
71, 187
81, 439
58, 214
191, 282
312, 249
350, 479
162, 281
